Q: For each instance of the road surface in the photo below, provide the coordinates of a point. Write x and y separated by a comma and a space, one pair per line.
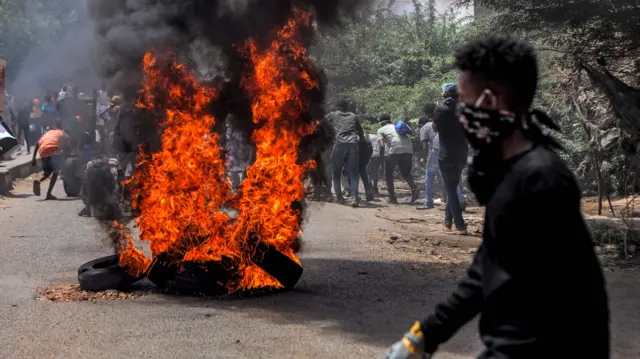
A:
360, 292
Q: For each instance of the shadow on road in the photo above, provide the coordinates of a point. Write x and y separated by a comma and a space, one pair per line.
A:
375, 302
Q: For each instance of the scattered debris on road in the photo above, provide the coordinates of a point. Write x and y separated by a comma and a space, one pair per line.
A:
73, 293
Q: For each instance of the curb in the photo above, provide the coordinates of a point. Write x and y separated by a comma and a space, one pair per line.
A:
7, 176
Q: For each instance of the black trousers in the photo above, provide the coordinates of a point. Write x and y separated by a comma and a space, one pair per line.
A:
23, 128
403, 161
373, 170
365, 156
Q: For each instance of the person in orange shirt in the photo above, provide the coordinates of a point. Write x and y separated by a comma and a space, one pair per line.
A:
50, 146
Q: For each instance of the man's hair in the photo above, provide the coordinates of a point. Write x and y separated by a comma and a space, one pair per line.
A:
385, 118
342, 105
423, 120
428, 109
504, 62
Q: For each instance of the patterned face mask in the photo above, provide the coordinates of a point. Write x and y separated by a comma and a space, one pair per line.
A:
486, 128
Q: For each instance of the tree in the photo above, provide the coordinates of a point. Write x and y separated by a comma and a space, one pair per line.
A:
392, 63
599, 37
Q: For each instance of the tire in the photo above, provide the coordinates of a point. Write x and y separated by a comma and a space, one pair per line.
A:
278, 265
70, 181
104, 274
191, 278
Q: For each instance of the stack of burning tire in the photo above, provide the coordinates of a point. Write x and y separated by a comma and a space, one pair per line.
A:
209, 278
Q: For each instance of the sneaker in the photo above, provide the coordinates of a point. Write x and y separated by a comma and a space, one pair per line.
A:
36, 187
415, 194
461, 232
86, 212
340, 200
370, 196
354, 202
393, 200
51, 197
425, 207
446, 227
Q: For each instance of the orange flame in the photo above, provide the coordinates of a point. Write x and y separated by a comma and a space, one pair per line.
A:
182, 189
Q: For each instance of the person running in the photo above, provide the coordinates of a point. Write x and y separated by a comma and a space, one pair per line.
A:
430, 145
51, 147
534, 301
348, 131
452, 156
375, 163
400, 155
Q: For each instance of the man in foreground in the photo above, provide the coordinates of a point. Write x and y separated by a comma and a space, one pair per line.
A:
452, 157
535, 280
50, 147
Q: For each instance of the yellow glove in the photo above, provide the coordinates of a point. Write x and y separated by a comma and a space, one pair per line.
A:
411, 346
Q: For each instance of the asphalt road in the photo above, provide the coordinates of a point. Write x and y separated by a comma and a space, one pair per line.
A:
356, 297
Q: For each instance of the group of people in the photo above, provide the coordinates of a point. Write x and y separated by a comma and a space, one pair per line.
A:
358, 156
67, 130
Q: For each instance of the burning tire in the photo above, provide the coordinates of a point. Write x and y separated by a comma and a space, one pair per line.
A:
191, 278
104, 274
278, 265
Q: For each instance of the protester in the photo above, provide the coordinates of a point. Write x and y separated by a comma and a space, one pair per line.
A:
400, 155
535, 280
103, 115
50, 147
125, 141
365, 152
24, 120
49, 114
452, 156
347, 130
430, 145
375, 163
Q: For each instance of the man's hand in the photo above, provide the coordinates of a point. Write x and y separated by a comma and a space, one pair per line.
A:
411, 346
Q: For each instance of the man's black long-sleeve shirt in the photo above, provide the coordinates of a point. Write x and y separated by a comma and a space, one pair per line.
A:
535, 280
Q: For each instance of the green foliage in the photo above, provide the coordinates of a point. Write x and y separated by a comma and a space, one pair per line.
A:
389, 63
606, 232
581, 28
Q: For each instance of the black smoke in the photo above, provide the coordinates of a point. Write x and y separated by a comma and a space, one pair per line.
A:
206, 36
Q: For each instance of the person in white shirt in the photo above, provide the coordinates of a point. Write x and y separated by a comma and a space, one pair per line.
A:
400, 149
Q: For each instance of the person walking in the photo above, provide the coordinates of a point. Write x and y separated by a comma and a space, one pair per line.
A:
348, 131
51, 147
24, 120
452, 156
532, 301
430, 145
400, 155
